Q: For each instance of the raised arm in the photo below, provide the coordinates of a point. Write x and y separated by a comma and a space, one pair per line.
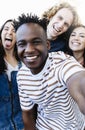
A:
76, 86
29, 119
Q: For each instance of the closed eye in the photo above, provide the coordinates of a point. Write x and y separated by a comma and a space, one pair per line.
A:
21, 43
82, 35
66, 24
73, 35
36, 42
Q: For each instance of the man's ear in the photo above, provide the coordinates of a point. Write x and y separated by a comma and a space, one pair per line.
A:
48, 44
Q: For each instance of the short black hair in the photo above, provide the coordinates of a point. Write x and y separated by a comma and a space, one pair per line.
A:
29, 18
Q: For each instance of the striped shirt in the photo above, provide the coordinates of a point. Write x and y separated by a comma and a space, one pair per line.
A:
56, 108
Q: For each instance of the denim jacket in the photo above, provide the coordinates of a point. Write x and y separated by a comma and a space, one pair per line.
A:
10, 111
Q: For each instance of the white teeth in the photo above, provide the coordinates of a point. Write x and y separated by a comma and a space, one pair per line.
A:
8, 37
31, 58
75, 43
56, 29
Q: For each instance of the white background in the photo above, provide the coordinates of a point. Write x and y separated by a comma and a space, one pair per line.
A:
14, 8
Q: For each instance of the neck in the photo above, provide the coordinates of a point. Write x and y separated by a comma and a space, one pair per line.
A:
51, 38
9, 52
10, 58
79, 56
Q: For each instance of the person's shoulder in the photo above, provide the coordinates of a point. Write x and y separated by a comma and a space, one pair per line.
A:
59, 54
23, 69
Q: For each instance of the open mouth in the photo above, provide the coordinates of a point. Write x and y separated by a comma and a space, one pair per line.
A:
8, 39
56, 29
8, 42
76, 43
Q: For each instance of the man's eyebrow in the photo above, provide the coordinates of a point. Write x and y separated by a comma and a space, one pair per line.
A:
36, 38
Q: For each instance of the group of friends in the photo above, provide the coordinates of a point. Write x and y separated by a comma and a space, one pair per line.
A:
42, 74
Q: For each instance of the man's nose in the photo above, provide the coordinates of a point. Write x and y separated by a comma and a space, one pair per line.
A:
29, 47
61, 25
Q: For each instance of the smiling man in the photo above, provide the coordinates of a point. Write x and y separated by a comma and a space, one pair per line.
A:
54, 81
61, 19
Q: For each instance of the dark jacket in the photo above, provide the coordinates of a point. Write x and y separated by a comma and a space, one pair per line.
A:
10, 111
58, 44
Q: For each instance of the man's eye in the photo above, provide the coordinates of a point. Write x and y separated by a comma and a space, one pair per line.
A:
20, 44
60, 18
37, 42
66, 24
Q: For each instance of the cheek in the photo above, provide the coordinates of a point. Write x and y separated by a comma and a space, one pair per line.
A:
65, 29
83, 41
83, 45
2, 39
14, 37
50, 25
19, 52
69, 43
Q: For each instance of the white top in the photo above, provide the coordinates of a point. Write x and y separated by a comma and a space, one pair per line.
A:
56, 108
10, 68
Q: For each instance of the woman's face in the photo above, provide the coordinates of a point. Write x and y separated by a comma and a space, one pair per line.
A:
8, 36
77, 39
59, 23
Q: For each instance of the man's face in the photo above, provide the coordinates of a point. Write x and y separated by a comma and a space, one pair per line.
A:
32, 46
59, 23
